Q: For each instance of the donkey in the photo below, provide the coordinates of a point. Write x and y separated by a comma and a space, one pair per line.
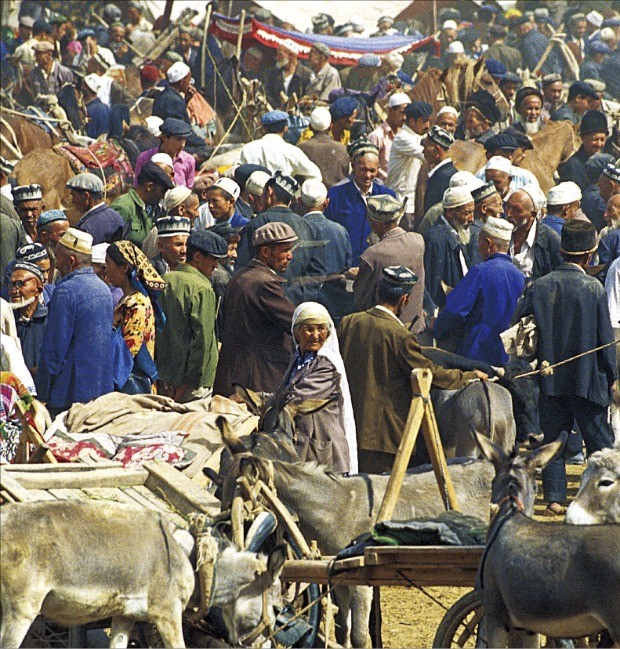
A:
319, 497
598, 498
560, 581
82, 561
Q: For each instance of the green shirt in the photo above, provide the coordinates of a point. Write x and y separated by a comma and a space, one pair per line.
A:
132, 208
186, 349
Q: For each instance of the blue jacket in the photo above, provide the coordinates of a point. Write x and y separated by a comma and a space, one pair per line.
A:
76, 358
347, 207
593, 206
532, 47
31, 334
591, 70
99, 115
442, 260
103, 223
480, 308
554, 222
437, 184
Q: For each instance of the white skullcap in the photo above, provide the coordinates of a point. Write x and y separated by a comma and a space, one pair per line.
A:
175, 196
92, 81
98, 253
448, 109
498, 228
358, 24
313, 192
162, 158
564, 193
536, 194
153, 123
607, 34
178, 71
449, 24
77, 241
456, 196
255, 184
456, 47
595, 18
320, 119
395, 59
499, 163
465, 179
229, 186
399, 99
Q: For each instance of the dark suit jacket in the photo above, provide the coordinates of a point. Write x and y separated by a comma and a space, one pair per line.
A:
442, 260
379, 354
546, 251
329, 156
256, 334
571, 313
575, 169
274, 83
437, 184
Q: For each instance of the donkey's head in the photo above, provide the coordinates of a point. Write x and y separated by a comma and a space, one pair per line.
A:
514, 481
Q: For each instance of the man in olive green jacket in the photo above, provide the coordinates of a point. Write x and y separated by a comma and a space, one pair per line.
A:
379, 353
186, 349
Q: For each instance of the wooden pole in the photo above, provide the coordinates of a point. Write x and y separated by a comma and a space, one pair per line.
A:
205, 36
240, 35
421, 380
125, 41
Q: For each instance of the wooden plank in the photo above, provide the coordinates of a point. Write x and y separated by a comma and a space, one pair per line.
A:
430, 555
40, 494
66, 467
178, 491
13, 487
52, 479
67, 494
145, 503
109, 493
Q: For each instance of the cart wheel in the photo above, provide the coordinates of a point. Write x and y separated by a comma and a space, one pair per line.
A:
459, 626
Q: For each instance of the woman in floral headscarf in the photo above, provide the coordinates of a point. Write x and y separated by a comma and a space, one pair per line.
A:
138, 313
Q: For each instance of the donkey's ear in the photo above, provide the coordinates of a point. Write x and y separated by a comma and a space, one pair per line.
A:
307, 406
539, 458
275, 561
489, 450
252, 399
231, 440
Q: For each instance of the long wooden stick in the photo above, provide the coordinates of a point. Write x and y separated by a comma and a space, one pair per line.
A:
240, 35
421, 380
205, 36
125, 41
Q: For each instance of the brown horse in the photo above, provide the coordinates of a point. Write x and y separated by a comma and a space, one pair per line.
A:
554, 144
23, 136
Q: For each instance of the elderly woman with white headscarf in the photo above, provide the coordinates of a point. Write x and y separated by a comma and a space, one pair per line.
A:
317, 372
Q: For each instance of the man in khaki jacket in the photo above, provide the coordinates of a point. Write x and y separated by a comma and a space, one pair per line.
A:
379, 353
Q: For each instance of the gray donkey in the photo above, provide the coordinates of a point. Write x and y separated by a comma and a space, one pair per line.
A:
560, 581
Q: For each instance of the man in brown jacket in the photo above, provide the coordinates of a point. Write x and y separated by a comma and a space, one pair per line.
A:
379, 353
257, 316
395, 248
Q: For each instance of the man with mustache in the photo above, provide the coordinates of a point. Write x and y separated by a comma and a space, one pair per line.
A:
28, 201
444, 255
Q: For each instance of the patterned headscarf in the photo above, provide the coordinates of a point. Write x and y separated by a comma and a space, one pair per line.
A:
142, 275
147, 275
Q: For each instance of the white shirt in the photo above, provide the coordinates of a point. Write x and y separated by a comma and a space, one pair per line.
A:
404, 164
273, 152
524, 260
612, 287
382, 308
5, 190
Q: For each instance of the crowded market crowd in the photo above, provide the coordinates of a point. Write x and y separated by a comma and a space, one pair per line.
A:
338, 243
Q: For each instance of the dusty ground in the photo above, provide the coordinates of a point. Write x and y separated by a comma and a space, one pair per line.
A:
410, 618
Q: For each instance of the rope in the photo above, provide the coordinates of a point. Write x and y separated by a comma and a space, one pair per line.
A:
547, 370
35, 118
16, 149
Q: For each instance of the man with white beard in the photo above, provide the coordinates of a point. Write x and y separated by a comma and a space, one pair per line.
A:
535, 247
25, 289
528, 105
612, 216
444, 255
287, 76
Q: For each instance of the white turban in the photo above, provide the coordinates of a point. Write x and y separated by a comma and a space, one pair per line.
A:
448, 109
564, 193
465, 179
175, 196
